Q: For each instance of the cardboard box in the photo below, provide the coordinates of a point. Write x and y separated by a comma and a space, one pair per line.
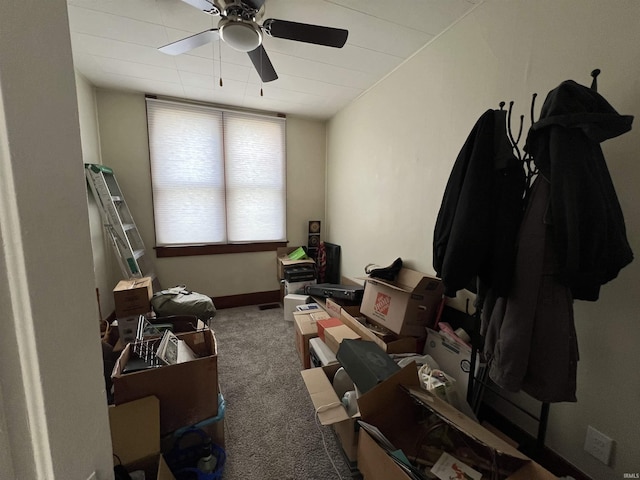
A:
290, 303
318, 383
282, 261
213, 427
179, 324
188, 392
453, 359
132, 297
335, 335
400, 417
327, 323
135, 437
402, 414
306, 329
406, 306
390, 343
335, 307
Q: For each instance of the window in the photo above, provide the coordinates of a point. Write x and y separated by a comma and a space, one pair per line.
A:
218, 176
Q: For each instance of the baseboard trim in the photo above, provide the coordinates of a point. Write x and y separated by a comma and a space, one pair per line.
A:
232, 301
547, 458
246, 299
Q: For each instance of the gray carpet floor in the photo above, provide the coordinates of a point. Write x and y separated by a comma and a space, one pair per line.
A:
270, 425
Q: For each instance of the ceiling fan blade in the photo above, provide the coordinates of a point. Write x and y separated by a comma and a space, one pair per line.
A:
303, 32
263, 65
189, 43
257, 4
203, 5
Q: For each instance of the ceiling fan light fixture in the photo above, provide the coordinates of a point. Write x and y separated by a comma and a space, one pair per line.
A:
240, 34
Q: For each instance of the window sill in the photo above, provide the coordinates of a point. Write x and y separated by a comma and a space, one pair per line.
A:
193, 250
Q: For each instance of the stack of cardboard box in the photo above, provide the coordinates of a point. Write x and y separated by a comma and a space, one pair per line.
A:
294, 274
182, 395
395, 316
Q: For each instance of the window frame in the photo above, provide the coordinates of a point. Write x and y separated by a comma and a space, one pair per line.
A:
164, 251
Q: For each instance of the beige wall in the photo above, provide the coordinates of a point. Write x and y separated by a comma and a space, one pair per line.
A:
390, 154
52, 395
124, 141
106, 270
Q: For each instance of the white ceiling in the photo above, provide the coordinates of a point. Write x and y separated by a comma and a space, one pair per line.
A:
115, 46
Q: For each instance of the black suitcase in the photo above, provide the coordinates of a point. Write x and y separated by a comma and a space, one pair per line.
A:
332, 290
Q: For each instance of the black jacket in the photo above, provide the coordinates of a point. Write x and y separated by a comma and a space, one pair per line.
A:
476, 228
588, 226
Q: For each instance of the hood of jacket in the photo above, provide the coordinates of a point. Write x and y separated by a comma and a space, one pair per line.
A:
572, 105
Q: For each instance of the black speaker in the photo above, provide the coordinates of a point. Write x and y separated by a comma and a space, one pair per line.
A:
332, 271
314, 239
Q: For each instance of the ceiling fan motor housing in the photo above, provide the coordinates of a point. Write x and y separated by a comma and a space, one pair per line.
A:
240, 34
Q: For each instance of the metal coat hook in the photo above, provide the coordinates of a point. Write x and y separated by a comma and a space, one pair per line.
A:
524, 157
514, 141
594, 82
533, 102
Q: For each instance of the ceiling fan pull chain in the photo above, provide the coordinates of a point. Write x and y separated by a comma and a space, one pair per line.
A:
220, 55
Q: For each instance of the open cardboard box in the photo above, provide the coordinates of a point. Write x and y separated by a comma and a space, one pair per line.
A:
401, 410
318, 383
135, 437
405, 306
188, 392
133, 297
390, 343
283, 261
397, 407
335, 306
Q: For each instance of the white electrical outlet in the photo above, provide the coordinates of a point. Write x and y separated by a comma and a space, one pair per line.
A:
598, 445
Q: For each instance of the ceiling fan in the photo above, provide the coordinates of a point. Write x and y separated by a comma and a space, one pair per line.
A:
238, 27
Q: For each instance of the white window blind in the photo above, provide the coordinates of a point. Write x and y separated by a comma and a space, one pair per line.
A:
218, 176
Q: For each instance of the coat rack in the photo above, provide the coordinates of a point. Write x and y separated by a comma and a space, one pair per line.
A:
476, 386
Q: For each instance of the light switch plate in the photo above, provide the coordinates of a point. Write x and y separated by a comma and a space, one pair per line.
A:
598, 444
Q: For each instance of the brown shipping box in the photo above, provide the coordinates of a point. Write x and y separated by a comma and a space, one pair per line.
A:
318, 382
282, 260
306, 328
132, 297
398, 408
405, 306
188, 392
213, 427
333, 336
391, 343
326, 323
399, 415
135, 437
335, 307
